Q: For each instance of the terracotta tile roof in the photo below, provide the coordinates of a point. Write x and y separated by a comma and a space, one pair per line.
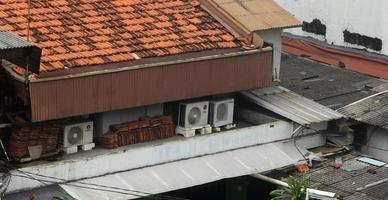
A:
75, 33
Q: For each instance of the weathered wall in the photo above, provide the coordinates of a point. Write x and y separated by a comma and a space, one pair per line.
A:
273, 36
377, 145
100, 161
104, 120
364, 17
153, 85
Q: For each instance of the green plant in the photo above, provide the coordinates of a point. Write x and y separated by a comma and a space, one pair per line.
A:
295, 191
59, 198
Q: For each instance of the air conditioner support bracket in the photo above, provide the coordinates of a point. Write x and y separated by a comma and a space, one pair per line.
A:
190, 132
226, 127
74, 149
70, 150
88, 147
230, 126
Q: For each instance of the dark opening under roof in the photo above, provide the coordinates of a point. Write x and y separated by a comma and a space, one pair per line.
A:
19, 51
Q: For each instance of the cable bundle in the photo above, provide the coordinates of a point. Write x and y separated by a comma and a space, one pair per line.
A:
143, 130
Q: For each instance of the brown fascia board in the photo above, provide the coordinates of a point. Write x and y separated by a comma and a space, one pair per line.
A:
128, 66
149, 84
233, 25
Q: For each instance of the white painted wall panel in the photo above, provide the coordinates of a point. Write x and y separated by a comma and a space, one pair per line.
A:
377, 146
104, 120
365, 17
274, 37
101, 161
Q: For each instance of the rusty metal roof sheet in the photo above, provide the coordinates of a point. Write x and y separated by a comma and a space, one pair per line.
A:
291, 105
256, 15
371, 110
145, 84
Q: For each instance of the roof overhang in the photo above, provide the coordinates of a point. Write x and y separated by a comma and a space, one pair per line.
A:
19, 51
247, 16
115, 88
291, 105
181, 174
191, 172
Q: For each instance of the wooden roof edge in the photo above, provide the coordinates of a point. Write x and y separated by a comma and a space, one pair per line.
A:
143, 66
236, 25
232, 24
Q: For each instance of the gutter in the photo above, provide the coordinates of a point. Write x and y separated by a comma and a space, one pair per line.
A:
8, 66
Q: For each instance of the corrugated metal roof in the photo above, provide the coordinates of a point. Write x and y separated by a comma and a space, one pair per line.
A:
187, 173
258, 15
291, 105
11, 41
16, 50
52, 98
371, 110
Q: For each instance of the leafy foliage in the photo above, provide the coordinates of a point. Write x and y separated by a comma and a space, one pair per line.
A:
59, 198
295, 191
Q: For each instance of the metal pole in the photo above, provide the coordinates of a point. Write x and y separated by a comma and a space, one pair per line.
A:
28, 20
313, 193
26, 74
2, 146
270, 180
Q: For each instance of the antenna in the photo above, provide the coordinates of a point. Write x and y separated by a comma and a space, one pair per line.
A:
28, 39
28, 20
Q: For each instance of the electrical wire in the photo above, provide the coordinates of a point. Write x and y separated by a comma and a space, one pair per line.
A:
2, 195
73, 185
102, 186
294, 136
32, 178
158, 197
113, 189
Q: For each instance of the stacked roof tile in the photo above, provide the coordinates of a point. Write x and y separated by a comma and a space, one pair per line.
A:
75, 33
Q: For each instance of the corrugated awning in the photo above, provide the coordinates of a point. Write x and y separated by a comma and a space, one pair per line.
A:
371, 110
16, 50
291, 105
186, 173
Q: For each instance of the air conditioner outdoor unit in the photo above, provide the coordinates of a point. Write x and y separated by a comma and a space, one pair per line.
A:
75, 135
193, 115
221, 112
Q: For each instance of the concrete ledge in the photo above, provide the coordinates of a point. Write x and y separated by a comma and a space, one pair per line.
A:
102, 162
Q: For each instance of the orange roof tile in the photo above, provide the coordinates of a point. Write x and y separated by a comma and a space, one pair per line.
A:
93, 32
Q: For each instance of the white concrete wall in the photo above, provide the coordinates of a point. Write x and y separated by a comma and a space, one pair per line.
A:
100, 161
274, 37
104, 120
366, 17
377, 145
